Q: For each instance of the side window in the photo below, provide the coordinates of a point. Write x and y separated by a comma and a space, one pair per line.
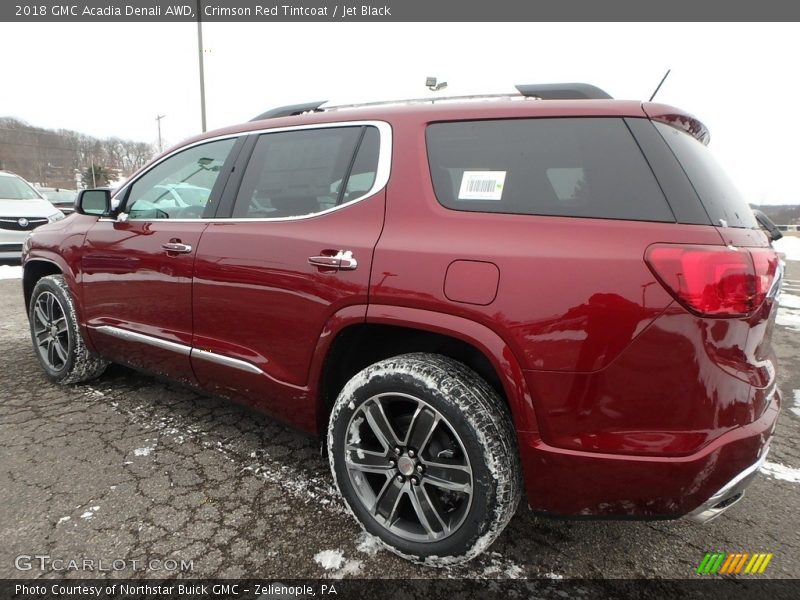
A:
722, 200
574, 167
180, 186
297, 173
365, 166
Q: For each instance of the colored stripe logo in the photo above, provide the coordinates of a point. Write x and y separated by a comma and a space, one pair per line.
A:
733, 563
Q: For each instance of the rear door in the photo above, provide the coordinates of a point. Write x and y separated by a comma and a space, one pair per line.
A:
295, 248
137, 271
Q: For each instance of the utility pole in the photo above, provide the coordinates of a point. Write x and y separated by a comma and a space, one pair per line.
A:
200, 60
158, 120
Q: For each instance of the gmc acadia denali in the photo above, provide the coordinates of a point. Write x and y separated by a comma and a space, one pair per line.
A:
554, 291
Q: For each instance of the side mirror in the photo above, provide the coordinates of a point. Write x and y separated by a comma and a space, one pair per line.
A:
767, 224
94, 202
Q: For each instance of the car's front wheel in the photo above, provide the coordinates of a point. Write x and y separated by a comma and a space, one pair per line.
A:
424, 454
56, 337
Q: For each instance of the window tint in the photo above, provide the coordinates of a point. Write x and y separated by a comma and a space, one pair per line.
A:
179, 187
577, 167
362, 175
719, 195
296, 173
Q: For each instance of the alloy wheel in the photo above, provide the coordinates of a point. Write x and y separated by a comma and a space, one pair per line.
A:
51, 331
408, 467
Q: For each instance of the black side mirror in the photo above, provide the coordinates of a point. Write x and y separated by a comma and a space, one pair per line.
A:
94, 202
767, 224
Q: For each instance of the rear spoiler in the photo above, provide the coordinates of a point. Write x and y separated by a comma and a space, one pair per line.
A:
678, 119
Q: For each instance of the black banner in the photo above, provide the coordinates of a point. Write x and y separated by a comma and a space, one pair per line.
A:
396, 10
231, 589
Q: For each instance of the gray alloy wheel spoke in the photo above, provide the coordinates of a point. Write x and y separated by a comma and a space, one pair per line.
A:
421, 429
60, 350
448, 476
51, 352
380, 425
388, 499
38, 310
61, 325
49, 298
42, 337
426, 513
367, 461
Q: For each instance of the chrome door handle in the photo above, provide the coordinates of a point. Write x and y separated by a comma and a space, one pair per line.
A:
342, 261
177, 247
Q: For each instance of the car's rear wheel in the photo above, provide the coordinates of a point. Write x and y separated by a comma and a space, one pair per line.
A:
56, 336
424, 455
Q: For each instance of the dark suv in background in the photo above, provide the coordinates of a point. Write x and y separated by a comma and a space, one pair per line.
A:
553, 290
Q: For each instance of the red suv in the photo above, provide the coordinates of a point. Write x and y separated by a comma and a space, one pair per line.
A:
554, 288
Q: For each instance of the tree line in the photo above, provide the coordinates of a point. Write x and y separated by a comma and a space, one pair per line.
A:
52, 158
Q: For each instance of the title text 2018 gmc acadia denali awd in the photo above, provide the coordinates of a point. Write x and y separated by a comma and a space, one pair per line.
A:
557, 290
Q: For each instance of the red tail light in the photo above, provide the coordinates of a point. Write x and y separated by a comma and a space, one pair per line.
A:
714, 281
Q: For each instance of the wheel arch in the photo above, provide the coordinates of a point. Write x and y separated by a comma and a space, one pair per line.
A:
33, 270
350, 342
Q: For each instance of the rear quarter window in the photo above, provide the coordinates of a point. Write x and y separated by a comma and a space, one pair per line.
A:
574, 167
723, 202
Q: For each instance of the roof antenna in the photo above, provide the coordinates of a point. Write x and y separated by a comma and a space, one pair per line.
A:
663, 79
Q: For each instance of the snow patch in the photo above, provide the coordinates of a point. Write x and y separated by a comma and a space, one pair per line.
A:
355, 431
330, 560
63, 520
796, 408
789, 301
788, 318
552, 576
89, 513
10, 272
789, 246
143, 451
782, 472
368, 544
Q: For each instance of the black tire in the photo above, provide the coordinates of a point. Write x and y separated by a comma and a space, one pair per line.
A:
56, 337
447, 502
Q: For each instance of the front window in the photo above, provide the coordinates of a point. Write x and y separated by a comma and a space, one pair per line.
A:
16, 188
180, 186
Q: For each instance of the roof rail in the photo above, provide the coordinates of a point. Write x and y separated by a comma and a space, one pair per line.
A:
563, 91
289, 111
544, 91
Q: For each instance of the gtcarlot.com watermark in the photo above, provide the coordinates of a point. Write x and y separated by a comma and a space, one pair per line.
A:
47, 563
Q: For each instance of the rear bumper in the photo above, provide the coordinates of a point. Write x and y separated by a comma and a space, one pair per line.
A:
730, 494
702, 485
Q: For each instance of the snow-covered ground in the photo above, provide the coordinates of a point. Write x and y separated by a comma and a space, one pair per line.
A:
10, 272
789, 246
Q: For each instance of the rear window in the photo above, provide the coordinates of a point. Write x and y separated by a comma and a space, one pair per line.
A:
574, 167
724, 203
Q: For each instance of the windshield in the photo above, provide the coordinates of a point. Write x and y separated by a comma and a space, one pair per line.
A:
15, 188
60, 196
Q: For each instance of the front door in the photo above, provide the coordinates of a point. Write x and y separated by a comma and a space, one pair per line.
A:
296, 249
137, 268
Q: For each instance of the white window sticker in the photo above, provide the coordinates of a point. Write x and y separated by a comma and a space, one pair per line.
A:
482, 185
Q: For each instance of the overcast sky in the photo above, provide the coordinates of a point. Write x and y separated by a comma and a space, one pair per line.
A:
109, 79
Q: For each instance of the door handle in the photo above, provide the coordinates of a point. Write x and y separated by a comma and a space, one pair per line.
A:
177, 247
341, 261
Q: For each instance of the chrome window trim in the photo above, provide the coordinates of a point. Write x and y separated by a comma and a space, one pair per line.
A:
381, 175
182, 349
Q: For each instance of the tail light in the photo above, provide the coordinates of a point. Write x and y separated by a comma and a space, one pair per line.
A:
715, 281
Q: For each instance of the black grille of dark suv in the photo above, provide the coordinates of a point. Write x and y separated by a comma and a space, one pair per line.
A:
26, 224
